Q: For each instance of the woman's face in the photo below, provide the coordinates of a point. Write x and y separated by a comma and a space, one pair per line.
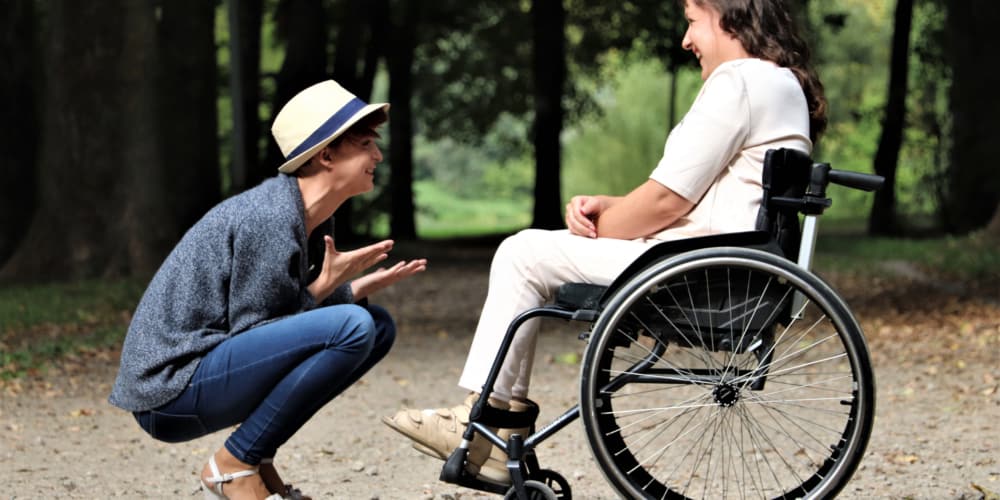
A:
705, 37
357, 156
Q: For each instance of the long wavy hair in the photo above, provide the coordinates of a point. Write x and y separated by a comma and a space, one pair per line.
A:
768, 31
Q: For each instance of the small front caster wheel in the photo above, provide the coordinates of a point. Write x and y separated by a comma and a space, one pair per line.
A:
558, 484
536, 490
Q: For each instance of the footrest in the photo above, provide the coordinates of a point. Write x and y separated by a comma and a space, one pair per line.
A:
575, 296
506, 419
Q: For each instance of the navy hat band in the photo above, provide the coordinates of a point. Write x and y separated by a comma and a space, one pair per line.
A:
329, 127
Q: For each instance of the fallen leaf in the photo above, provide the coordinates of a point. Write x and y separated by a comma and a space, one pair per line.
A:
987, 494
82, 412
904, 459
568, 358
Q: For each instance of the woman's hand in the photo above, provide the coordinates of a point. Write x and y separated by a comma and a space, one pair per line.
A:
338, 267
382, 277
582, 213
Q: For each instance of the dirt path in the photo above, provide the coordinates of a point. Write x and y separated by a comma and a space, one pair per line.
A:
937, 361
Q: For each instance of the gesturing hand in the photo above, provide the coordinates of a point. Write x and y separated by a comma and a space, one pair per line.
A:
382, 277
338, 267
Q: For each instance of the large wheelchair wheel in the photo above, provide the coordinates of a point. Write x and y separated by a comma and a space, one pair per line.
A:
727, 373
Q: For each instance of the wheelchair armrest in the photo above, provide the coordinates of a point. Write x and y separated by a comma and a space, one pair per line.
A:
574, 296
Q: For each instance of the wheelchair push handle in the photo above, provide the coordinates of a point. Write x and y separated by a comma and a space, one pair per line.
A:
822, 175
856, 180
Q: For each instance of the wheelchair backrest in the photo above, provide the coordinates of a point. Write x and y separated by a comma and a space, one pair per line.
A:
786, 174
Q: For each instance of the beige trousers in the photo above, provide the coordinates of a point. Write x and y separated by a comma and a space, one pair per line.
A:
527, 269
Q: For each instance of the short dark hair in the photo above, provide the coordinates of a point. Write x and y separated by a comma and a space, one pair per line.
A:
365, 126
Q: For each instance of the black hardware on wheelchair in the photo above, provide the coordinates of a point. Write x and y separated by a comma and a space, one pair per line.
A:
715, 367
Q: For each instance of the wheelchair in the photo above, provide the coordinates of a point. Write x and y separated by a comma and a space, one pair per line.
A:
715, 367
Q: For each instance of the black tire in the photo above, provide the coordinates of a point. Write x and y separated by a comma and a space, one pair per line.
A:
703, 380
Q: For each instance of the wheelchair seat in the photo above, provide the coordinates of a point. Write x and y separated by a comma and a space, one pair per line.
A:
574, 296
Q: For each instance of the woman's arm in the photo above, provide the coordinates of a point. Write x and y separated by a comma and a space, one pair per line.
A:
648, 209
582, 212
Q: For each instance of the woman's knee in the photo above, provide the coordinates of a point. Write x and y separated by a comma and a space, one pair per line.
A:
353, 328
523, 249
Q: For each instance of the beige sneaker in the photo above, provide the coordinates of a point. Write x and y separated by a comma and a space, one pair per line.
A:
438, 432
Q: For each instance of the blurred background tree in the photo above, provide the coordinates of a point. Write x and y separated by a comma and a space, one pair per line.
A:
126, 155
125, 121
973, 184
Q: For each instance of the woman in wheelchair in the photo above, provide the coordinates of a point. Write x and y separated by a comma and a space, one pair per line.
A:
759, 93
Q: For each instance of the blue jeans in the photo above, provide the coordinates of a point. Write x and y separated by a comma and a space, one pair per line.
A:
273, 378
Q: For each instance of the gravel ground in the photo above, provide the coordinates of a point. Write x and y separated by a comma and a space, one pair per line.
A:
936, 354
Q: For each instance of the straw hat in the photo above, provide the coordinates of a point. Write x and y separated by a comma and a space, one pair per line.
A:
315, 117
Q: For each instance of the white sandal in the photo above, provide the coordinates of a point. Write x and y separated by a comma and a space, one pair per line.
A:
214, 491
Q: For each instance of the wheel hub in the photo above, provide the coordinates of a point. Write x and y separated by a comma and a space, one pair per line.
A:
726, 395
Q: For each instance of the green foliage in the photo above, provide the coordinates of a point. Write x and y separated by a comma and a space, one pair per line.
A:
472, 64
463, 168
613, 150
924, 155
610, 149
442, 214
40, 323
459, 185
473, 106
852, 54
851, 58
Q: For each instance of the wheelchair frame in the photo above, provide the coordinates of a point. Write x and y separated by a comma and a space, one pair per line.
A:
792, 184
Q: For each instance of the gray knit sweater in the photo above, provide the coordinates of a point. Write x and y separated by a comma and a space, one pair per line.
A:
245, 263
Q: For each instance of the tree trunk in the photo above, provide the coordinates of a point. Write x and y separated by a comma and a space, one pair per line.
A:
883, 216
375, 49
186, 94
347, 50
993, 228
347, 47
146, 221
128, 142
549, 64
248, 30
973, 190
86, 141
400, 58
19, 142
303, 26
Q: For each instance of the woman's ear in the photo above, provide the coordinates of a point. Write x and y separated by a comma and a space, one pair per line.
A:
326, 155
